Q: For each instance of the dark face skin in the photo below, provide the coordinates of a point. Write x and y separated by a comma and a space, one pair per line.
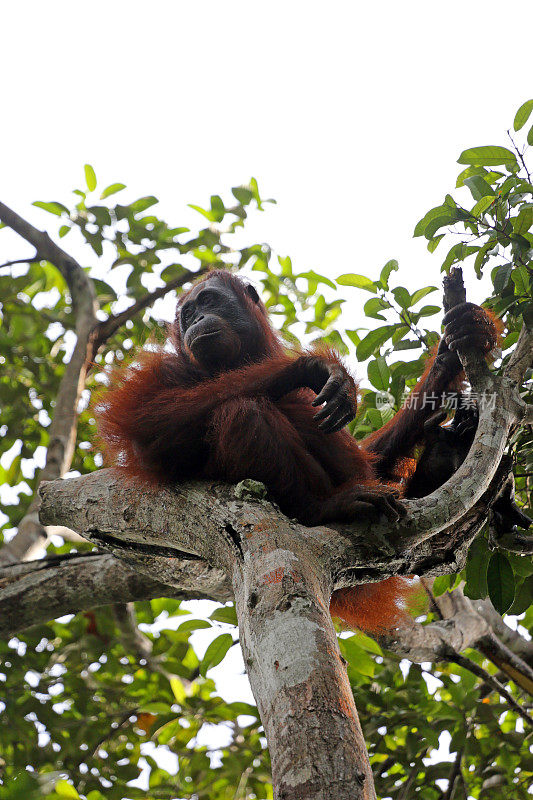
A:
217, 331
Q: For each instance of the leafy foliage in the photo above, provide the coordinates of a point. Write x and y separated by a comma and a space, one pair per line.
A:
82, 706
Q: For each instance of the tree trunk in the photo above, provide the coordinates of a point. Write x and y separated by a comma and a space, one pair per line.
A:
297, 673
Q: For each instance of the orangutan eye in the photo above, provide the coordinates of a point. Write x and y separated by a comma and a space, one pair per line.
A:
207, 298
185, 315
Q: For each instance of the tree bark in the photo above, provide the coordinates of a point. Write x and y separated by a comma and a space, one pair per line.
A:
34, 592
297, 673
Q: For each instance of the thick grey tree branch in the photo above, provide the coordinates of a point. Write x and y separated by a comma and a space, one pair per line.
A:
462, 625
62, 431
151, 526
34, 592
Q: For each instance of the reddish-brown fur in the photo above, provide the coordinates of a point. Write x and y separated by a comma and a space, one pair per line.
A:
164, 419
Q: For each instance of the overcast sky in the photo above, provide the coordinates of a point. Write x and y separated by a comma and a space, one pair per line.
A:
352, 115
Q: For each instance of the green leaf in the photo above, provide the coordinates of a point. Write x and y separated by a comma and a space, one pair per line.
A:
285, 263
501, 582
178, 690
428, 311
390, 266
481, 206
373, 341
216, 652
358, 281
522, 115
476, 569
420, 293
207, 214
242, 194
439, 222
402, 296
524, 219
434, 213
374, 306
90, 177
441, 584
112, 189
64, 789
314, 279
457, 252
226, 614
367, 643
407, 344
64, 229
519, 276
193, 625
488, 156
530, 136
482, 256
478, 187
255, 191
143, 203
466, 173
217, 207
353, 336
357, 658
379, 374
52, 208
434, 242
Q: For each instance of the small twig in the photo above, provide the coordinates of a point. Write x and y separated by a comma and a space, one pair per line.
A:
520, 155
30, 260
454, 775
122, 721
239, 793
405, 791
387, 764
495, 684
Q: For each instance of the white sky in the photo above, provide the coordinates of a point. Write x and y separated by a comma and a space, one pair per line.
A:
351, 114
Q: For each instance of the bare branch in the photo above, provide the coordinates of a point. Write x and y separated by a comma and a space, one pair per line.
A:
155, 524
508, 662
461, 625
138, 643
435, 641
520, 155
507, 636
134, 639
46, 249
33, 592
29, 260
